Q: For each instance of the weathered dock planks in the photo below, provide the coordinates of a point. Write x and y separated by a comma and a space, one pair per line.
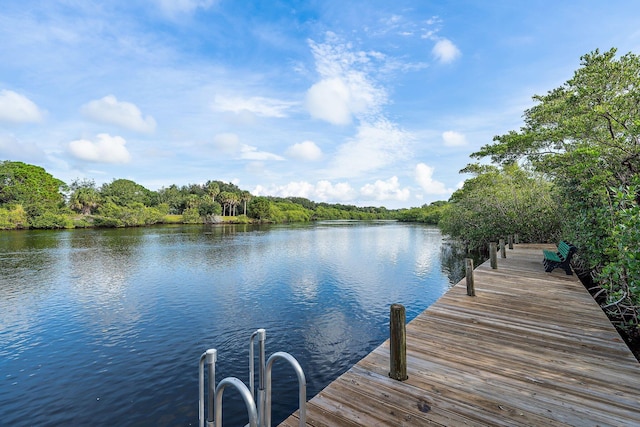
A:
530, 349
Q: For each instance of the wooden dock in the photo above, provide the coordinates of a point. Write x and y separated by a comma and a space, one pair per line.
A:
530, 349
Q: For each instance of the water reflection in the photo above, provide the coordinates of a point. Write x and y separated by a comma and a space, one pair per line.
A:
114, 321
452, 254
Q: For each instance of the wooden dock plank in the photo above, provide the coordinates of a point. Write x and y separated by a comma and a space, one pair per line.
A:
530, 349
518, 347
506, 386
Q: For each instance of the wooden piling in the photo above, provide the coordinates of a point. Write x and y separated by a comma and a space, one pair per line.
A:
398, 343
471, 291
503, 252
510, 240
493, 255
516, 238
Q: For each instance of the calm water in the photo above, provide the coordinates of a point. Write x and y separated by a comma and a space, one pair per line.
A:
106, 327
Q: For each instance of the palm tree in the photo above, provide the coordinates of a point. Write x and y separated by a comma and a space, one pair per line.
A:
192, 201
213, 189
225, 200
245, 196
84, 200
234, 200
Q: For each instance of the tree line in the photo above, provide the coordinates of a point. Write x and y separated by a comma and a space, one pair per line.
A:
30, 197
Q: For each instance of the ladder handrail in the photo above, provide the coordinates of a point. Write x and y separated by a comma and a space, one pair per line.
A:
246, 396
258, 409
261, 334
209, 358
302, 387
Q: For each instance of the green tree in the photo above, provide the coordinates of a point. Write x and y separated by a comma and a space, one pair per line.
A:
234, 201
245, 197
213, 189
172, 197
260, 208
85, 197
223, 198
208, 207
110, 214
428, 214
192, 201
124, 192
585, 136
30, 186
590, 126
285, 211
499, 202
229, 201
228, 187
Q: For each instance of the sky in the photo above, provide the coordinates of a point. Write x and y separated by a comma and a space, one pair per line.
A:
363, 102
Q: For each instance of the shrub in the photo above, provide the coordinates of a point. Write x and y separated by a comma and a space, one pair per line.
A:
191, 216
51, 220
13, 218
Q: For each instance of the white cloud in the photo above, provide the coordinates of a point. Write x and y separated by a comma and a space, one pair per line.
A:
266, 107
445, 51
106, 149
345, 89
16, 108
453, 139
434, 20
374, 146
385, 190
174, 7
342, 191
124, 114
328, 100
248, 152
424, 178
323, 191
305, 150
230, 143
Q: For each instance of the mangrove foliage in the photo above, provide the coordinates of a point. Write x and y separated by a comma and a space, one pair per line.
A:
581, 144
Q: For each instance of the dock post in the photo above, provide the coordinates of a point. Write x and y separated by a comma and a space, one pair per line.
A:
510, 240
398, 343
516, 239
471, 291
493, 255
503, 252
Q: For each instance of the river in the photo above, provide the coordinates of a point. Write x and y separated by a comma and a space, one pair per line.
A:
106, 327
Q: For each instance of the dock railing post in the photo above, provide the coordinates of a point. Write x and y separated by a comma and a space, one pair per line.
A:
398, 343
510, 240
471, 291
493, 255
503, 252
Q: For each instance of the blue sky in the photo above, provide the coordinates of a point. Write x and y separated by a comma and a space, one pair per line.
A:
365, 102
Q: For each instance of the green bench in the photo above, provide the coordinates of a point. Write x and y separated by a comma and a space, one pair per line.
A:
559, 259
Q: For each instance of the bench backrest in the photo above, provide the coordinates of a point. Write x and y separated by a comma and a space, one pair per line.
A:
565, 249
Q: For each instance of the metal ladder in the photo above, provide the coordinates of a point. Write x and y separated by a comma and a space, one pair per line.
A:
259, 410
